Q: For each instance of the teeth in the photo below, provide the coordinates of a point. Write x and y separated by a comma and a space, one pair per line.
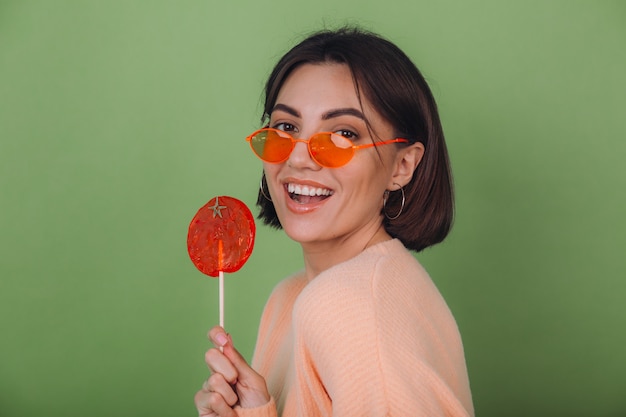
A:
306, 190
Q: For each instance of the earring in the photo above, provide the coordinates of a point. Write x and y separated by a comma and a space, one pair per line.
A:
263, 181
386, 197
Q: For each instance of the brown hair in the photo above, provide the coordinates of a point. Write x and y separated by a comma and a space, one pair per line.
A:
397, 90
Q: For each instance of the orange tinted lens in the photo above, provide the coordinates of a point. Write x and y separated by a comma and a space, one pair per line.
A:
270, 146
331, 150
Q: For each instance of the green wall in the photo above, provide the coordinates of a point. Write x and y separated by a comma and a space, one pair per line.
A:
119, 119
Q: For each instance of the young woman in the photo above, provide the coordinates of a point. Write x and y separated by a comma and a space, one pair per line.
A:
355, 169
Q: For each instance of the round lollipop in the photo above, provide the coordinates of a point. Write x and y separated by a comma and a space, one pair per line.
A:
220, 239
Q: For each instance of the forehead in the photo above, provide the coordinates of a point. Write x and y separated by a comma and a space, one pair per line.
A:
314, 91
328, 85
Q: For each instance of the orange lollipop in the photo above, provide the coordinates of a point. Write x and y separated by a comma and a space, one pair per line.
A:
220, 239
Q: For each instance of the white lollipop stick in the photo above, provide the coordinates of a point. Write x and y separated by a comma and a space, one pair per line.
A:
221, 279
220, 254
220, 249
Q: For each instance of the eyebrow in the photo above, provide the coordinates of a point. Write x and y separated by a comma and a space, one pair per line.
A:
348, 111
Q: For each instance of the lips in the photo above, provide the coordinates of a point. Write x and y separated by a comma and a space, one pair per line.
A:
307, 194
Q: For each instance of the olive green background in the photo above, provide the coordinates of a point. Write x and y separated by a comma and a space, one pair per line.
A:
119, 119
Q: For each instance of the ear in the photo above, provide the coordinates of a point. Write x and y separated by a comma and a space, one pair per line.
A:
406, 163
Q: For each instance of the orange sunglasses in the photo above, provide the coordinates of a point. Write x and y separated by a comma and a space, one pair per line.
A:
327, 149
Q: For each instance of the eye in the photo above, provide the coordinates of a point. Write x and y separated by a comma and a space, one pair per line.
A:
285, 127
348, 134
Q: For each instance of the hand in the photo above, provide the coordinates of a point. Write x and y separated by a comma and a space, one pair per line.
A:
232, 380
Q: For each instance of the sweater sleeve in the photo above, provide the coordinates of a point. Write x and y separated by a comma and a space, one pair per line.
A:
375, 338
274, 344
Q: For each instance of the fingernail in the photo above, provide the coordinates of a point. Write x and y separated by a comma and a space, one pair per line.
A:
221, 339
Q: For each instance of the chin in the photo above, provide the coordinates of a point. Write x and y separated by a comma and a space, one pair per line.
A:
302, 232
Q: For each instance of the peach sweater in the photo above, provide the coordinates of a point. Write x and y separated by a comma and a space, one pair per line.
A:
368, 337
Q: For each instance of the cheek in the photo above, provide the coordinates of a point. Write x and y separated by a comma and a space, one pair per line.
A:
374, 168
271, 173
367, 183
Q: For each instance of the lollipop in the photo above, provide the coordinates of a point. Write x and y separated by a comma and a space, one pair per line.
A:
220, 239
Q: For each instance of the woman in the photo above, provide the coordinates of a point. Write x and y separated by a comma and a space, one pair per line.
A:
362, 330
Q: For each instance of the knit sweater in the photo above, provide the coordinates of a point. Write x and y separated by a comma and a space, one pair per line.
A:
371, 336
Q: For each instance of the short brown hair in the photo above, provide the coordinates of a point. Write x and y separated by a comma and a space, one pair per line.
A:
399, 92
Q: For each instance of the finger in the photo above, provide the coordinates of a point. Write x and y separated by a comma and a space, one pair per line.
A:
218, 336
246, 376
212, 403
236, 359
217, 383
219, 363
251, 387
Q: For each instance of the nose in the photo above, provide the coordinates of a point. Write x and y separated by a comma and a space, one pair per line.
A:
300, 156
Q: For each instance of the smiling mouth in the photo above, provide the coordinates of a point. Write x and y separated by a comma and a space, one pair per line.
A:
304, 194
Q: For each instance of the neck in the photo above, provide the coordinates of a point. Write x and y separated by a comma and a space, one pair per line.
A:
319, 257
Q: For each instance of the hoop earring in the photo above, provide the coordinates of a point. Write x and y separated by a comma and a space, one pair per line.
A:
262, 191
386, 197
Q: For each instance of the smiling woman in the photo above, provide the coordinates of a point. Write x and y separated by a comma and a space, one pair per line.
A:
356, 170
325, 99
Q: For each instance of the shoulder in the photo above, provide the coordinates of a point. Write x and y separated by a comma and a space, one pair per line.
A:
290, 286
379, 271
284, 295
383, 290
383, 281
